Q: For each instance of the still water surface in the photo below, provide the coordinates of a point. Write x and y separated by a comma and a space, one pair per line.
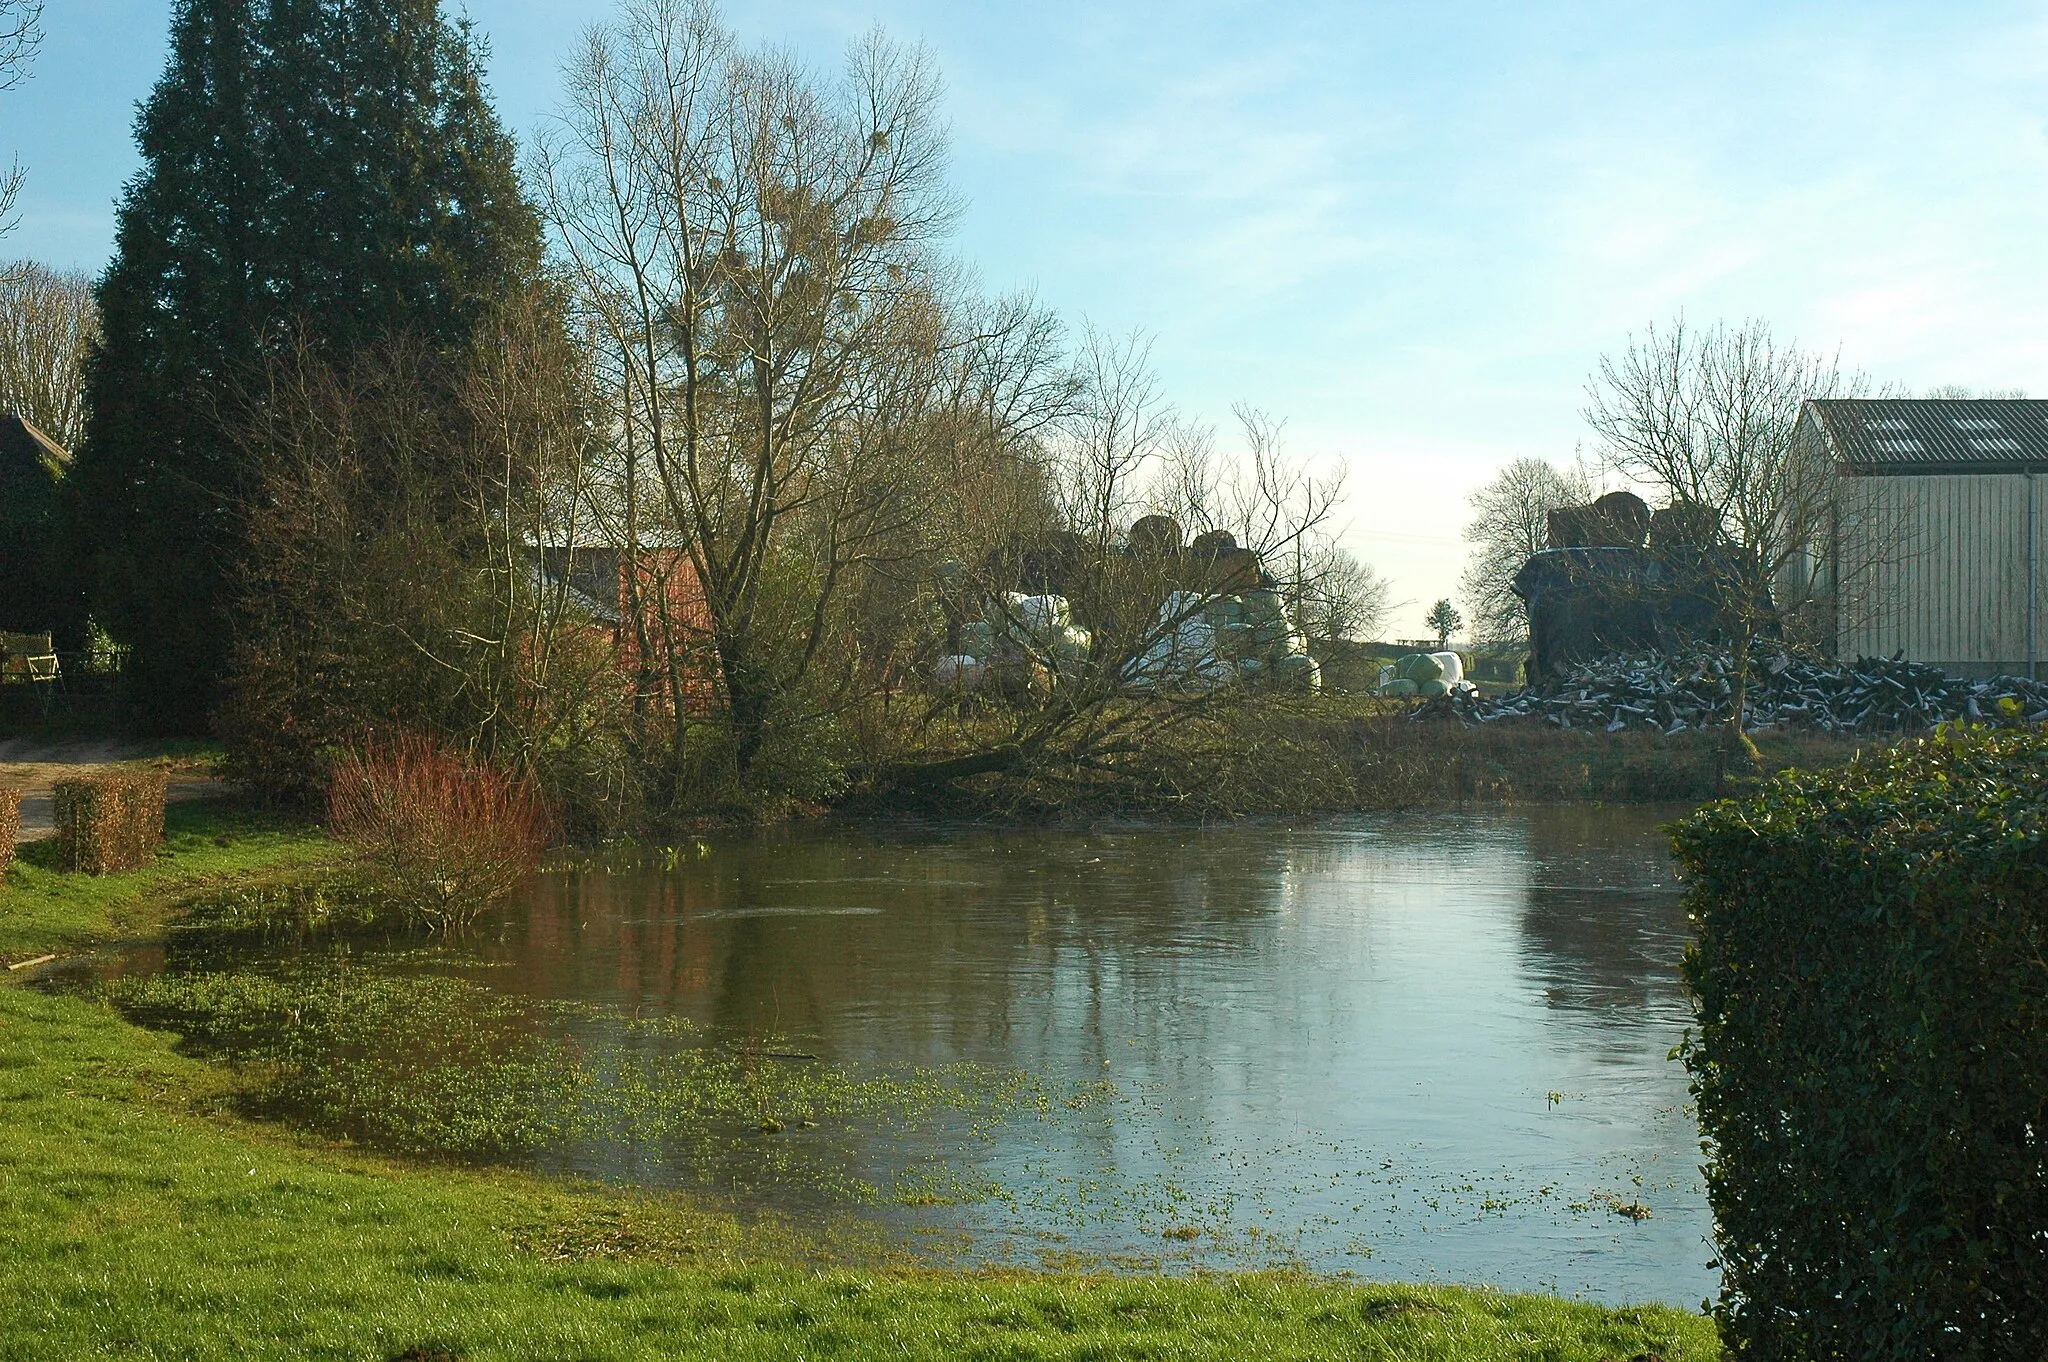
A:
1407, 1047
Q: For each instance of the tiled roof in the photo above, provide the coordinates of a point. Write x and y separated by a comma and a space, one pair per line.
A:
19, 439
1932, 435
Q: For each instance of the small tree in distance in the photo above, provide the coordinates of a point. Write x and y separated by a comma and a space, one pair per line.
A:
1445, 619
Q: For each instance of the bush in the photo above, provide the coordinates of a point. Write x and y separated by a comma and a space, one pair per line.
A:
1872, 1066
10, 826
110, 822
442, 835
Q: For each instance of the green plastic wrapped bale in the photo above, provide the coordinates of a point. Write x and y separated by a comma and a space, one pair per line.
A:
1400, 685
1261, 605
1430, 690
1298, 670
1419, 667
977, 638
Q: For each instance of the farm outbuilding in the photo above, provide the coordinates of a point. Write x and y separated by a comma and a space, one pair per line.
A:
1939, 522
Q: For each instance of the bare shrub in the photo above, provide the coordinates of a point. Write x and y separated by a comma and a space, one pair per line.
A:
110, 822
442, 835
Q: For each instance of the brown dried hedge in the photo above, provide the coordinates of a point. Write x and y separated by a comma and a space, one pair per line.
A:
110, 822
10, 826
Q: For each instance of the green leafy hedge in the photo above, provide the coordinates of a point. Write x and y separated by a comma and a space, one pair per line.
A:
1872, 1065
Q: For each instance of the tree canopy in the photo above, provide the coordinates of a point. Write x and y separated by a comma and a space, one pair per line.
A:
316, 173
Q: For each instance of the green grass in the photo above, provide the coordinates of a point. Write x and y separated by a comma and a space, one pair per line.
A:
207, 844
144, 1218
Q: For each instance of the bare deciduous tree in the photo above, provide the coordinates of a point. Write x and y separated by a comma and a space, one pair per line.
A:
1509, 522
21, 32
1341, 598
757, 249
1707, 416
48, 323
393, 582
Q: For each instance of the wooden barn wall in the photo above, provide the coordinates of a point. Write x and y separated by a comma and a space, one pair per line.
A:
1937, 566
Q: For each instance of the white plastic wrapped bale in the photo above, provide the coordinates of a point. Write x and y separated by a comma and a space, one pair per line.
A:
1183, 650
1069, 649
1037, 616
958, 671
1453, 665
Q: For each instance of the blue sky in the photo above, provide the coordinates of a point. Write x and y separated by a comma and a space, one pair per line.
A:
1410, 229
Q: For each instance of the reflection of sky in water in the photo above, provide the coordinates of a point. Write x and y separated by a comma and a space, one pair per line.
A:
1336, 1044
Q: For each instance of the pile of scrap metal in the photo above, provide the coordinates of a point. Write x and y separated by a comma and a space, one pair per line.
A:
1618, 578
1673, 692
1221, 620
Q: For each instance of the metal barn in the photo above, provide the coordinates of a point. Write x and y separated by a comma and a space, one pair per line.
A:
1939, 526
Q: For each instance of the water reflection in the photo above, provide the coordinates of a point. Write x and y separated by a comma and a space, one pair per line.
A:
1419, 1046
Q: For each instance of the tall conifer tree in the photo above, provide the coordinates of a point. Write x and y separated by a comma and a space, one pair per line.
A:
315, 172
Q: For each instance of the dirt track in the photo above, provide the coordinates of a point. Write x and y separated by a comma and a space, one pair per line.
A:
34, 767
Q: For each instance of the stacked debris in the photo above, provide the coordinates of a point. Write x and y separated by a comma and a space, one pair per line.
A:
1673, 692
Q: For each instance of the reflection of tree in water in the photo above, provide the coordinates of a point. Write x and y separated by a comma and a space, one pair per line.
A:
1602, 924
951, 940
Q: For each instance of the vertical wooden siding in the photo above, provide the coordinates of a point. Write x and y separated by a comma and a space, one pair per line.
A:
1937, 566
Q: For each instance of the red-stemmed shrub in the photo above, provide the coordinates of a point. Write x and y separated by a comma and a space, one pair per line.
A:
443, 836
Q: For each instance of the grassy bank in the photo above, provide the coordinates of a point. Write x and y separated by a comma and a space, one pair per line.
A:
1334, 754
146, 1218
207, 845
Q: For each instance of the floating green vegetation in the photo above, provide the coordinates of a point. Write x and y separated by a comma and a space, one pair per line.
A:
324, 903
440, 1067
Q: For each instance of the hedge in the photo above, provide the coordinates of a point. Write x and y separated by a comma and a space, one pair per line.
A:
111, 821
10, 826
1871, 1068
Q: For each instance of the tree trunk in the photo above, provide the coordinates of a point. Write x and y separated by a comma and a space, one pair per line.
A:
1743, 755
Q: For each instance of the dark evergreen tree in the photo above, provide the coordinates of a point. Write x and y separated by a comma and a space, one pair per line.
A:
316, 173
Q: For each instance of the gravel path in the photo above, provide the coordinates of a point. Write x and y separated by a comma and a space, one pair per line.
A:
34, 767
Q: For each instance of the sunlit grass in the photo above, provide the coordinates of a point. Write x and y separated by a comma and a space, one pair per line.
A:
206, 842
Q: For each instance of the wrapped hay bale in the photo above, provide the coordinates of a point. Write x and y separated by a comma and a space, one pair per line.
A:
1418, 667
959, 671
977, 639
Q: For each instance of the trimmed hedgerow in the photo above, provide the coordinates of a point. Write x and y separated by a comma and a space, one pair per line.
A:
1871, 1071
10, 826
111, 821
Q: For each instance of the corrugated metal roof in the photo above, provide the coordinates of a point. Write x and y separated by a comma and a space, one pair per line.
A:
1932, 435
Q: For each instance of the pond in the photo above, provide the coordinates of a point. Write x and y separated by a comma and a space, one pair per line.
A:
1407, 1047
